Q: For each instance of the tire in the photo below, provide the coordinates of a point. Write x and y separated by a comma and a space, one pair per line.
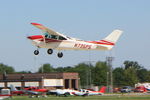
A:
60, 54
36, 52
66, 94
50, 51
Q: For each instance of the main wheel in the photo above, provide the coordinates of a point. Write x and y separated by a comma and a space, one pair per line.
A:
60, 54
36, 52
49, 51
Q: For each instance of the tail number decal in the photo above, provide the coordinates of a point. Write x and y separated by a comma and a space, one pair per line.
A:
84, 46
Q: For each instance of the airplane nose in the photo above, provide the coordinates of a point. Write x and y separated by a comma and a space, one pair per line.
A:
29, 37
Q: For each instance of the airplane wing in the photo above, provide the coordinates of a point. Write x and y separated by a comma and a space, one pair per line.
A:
33, 92
45, 29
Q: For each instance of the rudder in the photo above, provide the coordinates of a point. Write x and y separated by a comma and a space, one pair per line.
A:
102, 90
114, 36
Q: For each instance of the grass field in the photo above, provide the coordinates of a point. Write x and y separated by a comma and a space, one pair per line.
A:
125, 97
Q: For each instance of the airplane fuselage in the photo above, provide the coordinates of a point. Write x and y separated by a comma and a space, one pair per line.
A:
68, 44
65, 45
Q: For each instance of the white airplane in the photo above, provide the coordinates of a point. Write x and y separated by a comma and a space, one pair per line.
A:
84, 92
55, 40
62, 92
5, 93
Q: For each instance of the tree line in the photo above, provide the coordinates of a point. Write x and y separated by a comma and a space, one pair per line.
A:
127, 75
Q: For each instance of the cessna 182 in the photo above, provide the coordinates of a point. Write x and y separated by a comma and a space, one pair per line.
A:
55, 40
31, 91
84, 92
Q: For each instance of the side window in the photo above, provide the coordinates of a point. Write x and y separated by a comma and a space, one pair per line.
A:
54, 36
46, 35
62, 38
49, 36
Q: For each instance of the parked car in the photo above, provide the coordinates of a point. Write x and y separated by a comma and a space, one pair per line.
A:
140, 89
116, 90
126, 89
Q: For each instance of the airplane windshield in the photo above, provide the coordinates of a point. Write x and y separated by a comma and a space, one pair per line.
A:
56, 37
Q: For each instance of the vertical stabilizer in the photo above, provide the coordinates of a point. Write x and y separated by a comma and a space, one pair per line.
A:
102, 90
114, 36
13, 88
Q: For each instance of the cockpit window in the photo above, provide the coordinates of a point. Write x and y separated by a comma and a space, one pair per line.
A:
56, 37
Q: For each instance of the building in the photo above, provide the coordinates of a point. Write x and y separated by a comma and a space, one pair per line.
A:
52, 80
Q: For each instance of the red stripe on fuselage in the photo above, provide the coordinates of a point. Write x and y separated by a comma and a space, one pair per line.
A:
51, 40
104, 42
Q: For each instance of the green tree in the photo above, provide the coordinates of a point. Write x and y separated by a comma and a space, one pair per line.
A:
143, 75
5, 68
46, 68
137, 73
148, 76
83, 70
59, 69
132, 64
130, 76
23, 72
118, 77
69, 69
100, 74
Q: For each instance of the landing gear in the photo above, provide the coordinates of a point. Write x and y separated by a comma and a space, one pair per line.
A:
60, 54
49, 51
36, 52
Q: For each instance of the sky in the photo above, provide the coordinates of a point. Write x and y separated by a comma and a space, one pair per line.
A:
84, 19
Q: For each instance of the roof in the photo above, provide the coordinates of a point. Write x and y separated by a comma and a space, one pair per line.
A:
37, 76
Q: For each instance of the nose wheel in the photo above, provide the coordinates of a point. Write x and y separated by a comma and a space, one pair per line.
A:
60, 54
36, 52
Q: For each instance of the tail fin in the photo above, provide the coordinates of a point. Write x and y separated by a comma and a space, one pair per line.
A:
12, 88
108, 42
111, 39
114, 36
102, 90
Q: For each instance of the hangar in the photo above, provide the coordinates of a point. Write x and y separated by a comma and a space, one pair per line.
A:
52, 80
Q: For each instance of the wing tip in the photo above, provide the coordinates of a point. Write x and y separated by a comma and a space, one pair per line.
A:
36, 24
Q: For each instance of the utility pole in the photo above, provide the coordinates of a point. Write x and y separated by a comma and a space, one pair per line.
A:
109, 61
87, 79
89, 74
42, 68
